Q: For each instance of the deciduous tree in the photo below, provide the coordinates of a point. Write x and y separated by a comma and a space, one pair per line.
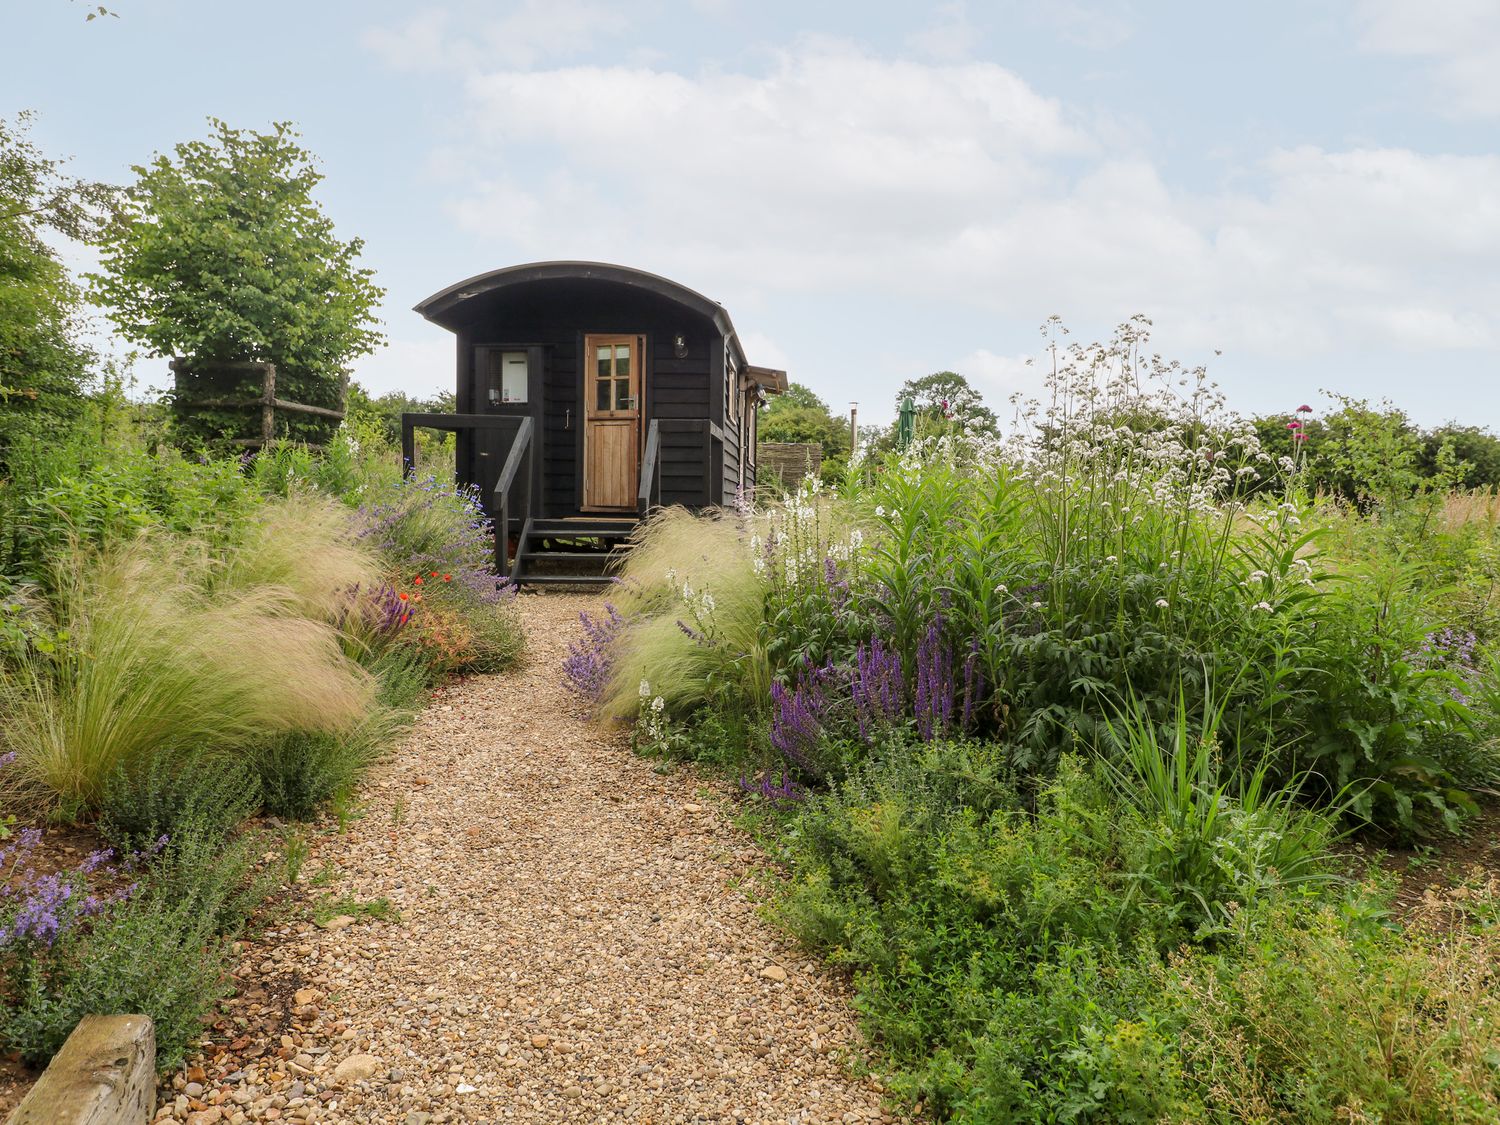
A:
221, 253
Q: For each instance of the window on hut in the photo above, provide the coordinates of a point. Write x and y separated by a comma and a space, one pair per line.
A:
504, 376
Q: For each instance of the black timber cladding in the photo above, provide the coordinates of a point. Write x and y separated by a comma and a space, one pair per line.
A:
547, 309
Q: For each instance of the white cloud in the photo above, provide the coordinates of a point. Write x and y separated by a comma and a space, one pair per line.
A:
950, 36
763, 351
998, 377
527, 33
1099, 25
1461, 37
420, 44
837, 171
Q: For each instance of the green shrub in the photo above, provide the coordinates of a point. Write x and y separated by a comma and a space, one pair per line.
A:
1201, 842
402, 677
158, 795
1012, 962
1324, 1017
300, 771
119, 492
159, 952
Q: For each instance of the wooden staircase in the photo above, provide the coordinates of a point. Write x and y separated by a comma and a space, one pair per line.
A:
571, 552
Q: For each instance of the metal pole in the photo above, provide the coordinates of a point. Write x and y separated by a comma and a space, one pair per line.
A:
853, 428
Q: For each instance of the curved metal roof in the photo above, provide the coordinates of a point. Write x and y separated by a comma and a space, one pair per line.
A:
437, 307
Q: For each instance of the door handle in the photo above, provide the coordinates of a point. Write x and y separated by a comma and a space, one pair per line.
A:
567, 419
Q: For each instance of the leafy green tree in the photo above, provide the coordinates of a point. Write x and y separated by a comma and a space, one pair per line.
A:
799, 415
383, 413
945, 397
220, 253
1476, 448
43, 365
944, 401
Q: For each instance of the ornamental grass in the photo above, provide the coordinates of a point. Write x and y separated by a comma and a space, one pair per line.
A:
157, 662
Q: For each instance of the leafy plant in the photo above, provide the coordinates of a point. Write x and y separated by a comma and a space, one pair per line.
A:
1205, 843
219, 252
154, 666
157, 951
162, 795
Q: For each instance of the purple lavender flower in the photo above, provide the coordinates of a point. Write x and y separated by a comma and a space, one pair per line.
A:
799, 715
934, 684
37, 909
973, 685
591, 659
785, 790
878, 687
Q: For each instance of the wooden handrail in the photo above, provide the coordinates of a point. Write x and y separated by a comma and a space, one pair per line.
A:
520, 453
650, 471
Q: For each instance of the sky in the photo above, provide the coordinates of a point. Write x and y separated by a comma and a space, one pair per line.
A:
1305, 196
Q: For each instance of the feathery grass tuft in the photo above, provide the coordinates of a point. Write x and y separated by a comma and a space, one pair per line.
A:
154, 664
694, 606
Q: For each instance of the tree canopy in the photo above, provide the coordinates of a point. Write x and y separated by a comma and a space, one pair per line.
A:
220, 253
799, 415
42, 362
946, 396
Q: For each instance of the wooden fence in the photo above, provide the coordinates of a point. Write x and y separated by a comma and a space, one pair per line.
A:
266, 403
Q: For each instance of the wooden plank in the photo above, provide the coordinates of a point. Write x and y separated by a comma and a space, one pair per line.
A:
611, 463
692, 365
105, 1074
695, 396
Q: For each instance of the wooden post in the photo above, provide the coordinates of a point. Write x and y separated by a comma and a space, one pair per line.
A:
853, 429
105, 1074
268, 407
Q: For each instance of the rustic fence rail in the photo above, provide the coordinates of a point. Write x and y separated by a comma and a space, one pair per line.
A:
267, 402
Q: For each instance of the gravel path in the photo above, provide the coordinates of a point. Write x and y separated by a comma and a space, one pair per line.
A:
571, 946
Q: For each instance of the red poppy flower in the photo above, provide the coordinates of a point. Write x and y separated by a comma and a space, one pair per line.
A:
417, 581
433, 574
447, 578
403, 597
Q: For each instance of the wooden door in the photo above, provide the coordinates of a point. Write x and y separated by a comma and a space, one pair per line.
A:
612, 423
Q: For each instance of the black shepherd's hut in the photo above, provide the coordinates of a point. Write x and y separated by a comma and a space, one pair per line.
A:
587, 395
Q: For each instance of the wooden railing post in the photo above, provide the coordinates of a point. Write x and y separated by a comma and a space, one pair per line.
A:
268, 407
408, 446
650, 472
521, 455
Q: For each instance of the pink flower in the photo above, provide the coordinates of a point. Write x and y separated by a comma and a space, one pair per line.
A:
1289, 425
1304, 409
1299, 437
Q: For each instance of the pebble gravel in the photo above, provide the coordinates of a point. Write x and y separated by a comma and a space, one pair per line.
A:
572, 947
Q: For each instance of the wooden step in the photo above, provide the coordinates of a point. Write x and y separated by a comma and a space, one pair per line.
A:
565, 580
581, 528
571, 556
